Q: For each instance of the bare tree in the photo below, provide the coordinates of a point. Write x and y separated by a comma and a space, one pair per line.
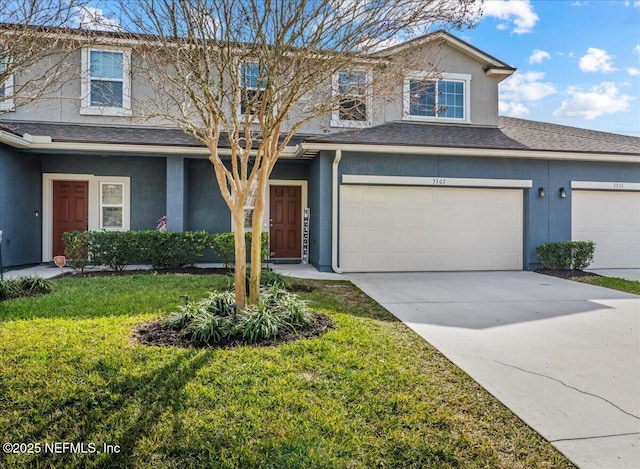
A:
34, 40
254, 72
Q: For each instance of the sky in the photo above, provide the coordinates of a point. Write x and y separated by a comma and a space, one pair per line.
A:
578, 61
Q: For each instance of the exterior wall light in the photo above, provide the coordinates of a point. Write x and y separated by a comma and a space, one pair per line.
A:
541, 192
563, 193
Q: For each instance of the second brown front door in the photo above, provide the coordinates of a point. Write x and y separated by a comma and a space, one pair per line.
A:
285, 208
70, 210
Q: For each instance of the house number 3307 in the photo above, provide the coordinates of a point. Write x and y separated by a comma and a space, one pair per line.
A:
439, 182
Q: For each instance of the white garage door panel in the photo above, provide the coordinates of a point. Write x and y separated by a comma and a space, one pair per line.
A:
389, 228
612, 220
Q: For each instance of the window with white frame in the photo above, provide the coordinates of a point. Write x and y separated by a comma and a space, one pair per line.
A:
444, 99
106, 84
112, 206
353, 107
252, 87
6, 87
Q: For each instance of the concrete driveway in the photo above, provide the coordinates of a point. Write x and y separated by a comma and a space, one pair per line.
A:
564, 356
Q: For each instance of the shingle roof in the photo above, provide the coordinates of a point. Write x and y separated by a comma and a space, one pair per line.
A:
128, 135
511, 134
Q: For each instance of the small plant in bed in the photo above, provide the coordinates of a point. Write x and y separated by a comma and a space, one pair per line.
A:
216, 322
24, 286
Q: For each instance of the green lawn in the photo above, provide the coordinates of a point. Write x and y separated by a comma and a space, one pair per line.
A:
368, 394
629, 286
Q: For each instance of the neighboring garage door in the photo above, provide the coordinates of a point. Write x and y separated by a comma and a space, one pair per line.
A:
612, 220
405, 228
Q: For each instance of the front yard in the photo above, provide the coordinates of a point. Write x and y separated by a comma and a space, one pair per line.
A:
369, 393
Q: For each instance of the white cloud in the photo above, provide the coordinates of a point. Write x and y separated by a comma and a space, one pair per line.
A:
512, 109
633, 71
520, 12
598, 100
526, 86
521, 88
636, 49
538, 56
95, 19
596, 60
636, 3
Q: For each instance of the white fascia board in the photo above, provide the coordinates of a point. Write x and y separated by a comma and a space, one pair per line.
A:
13, 140
606, 185
41, 144
473, 152
435, 181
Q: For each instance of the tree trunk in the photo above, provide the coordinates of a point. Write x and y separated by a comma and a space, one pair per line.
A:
240, 271
256, 242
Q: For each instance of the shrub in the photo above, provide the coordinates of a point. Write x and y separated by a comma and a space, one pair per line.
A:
24, 286
163, 249
77, 247
223, 245
116, 249
573, 255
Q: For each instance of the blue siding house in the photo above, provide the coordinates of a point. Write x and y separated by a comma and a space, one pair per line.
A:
433, 180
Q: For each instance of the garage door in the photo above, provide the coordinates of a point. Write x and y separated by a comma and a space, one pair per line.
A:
390, 228
612, 220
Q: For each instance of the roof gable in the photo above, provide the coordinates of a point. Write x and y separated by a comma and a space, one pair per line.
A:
491, 65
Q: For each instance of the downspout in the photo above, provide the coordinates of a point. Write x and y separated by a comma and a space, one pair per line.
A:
334, 212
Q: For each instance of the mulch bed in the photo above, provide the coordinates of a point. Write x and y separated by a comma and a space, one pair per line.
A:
153, 333
567, 274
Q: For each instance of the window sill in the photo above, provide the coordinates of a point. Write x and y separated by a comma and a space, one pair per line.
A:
435, 120
7, 106
105, 111
349, 124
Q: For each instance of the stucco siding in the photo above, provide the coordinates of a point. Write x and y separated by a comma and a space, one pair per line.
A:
320, 198
20, 208
148, 180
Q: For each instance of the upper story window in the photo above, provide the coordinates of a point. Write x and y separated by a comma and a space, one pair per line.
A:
253, 85
446, 99
106, 82
6, 88
353, 109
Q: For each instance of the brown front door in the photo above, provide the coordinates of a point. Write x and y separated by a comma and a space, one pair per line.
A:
70, 210
286, 226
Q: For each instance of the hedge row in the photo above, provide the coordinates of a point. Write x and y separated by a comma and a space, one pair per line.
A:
118, 249
573, 255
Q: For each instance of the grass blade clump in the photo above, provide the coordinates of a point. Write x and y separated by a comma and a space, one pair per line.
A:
214, 320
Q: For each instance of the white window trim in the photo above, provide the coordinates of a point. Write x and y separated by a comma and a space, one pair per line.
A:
7, 103
240, 65
335, 92
406, 99
95, 210
125, 200
85, 107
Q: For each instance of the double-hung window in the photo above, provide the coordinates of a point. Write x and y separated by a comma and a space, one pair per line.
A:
114, 196
445, 99
106, 84
6, 86
351, 92
252, 85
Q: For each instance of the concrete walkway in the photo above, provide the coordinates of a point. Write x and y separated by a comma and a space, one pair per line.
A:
291, 270
563, 356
